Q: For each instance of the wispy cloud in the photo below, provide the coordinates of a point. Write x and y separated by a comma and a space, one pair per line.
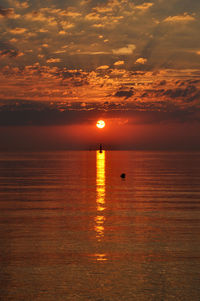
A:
180, 18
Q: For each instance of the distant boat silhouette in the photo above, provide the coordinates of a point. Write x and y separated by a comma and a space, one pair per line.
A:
123, 175
100, 148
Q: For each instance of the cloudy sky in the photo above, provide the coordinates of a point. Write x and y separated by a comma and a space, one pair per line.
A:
66, 63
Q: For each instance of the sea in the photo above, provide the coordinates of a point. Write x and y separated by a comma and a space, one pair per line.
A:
71, 228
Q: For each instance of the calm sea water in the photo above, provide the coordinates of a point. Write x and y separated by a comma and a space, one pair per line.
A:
72, 229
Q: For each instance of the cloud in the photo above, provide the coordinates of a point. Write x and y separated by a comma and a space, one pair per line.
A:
71, 14
180, 18
102, 9
186, 93
60, 51
145, 6
62, 32
141, 60
124, 93
91, 52
93, 17
119, 23
8, 13
66, 25
103, 67
182, 93
42, 30
119, 63
21, 5
53, 60
42, 16
98, 25
162, 83
10, 53
128, 50
18, 30
36, 16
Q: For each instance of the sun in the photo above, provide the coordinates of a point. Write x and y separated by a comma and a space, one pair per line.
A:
100, 124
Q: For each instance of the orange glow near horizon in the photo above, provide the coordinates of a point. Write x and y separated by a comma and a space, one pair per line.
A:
100, 124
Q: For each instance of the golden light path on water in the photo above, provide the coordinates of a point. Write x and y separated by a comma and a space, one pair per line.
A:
100, 200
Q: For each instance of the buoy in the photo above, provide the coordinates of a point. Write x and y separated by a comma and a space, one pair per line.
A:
123, 175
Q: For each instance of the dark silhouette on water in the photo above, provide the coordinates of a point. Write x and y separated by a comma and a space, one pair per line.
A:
100, 148
123, 175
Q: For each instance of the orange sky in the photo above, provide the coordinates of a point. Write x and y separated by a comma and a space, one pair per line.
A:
63, 65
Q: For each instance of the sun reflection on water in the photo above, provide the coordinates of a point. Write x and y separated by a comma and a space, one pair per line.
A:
100, 194
100, 257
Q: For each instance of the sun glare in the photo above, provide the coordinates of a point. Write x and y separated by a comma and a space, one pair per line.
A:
100, 124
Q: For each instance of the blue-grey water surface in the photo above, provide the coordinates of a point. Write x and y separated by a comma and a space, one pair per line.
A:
72, 229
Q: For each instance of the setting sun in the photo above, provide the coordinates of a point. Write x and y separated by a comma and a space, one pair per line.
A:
100, 124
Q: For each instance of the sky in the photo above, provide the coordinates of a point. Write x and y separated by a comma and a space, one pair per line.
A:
66, 64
